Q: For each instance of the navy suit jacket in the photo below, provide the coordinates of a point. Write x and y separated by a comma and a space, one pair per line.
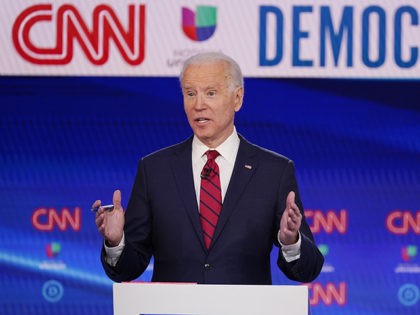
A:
162, 219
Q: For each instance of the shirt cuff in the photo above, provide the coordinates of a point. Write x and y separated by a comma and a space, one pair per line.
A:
290, 252
114, 253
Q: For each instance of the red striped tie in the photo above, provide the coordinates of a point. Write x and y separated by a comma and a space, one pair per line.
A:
210, 196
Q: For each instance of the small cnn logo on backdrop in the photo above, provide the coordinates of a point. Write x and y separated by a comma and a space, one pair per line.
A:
48, 219
200, 25
327, 221
328, 294
403, 222
47, 34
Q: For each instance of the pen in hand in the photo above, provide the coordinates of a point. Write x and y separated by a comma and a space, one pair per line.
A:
106, 208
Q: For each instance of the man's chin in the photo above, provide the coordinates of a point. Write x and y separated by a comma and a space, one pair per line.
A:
202, 132
204, 137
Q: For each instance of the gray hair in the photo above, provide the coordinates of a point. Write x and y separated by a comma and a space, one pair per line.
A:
237, 79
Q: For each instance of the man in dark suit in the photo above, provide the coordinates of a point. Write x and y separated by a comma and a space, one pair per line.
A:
210, 208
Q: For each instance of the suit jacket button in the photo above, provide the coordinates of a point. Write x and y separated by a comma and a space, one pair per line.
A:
207, 266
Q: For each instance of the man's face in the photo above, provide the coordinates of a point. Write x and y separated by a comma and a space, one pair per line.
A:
209, 101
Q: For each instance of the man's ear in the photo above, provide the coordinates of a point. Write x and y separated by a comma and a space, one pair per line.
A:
239, 97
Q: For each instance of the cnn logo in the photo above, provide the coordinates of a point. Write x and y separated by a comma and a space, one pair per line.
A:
39, 22
44, 219
329, 221
403, 222
328, 294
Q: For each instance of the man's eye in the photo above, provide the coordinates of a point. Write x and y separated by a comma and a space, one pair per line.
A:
190, 94
211, 93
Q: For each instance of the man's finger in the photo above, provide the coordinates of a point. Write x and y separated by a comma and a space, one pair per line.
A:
294, 210
290, 199
116, 199
293, 216
96, 204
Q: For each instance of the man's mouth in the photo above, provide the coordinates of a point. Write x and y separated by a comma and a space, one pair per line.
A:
201, 120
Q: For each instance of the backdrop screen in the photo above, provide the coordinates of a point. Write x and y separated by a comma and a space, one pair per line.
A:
67, 141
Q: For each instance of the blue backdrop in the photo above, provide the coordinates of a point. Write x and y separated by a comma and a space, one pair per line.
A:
66, 141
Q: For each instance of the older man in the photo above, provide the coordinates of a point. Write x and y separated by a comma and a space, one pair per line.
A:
210, 209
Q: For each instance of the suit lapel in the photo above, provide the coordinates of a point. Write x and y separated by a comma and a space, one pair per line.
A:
245, 166
182, 169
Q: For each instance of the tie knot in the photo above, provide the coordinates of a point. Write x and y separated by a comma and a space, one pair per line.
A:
212, 155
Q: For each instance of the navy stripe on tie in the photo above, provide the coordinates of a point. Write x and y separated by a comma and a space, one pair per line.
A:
211, 195
204, 218
214, 184
208, 207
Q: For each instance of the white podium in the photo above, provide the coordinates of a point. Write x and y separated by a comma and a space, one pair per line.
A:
196, 299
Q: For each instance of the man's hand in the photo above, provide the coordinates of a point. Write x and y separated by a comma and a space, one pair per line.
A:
110, 224
290, 221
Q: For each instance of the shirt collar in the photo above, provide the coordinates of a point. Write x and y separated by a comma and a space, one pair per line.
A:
228, 149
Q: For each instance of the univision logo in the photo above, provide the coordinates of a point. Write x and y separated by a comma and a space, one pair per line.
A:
200, 25
327, 267
52, 249
409, 252
324, 249
408, 255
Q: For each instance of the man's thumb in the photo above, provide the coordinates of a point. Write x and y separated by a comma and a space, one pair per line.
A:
116, 199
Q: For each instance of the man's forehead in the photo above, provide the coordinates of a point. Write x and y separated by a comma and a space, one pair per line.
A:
202, 83
205, 76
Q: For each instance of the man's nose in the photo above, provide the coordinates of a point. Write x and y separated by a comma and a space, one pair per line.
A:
200, 102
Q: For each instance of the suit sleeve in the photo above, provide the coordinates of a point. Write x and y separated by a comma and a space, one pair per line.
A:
309, 265
137, 229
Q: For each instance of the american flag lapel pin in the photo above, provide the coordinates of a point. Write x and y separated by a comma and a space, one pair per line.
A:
248, 166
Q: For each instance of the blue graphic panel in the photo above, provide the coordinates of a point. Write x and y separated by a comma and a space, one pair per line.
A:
66, 142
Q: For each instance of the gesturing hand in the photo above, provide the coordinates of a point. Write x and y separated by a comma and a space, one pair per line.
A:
290, 221
110, 224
